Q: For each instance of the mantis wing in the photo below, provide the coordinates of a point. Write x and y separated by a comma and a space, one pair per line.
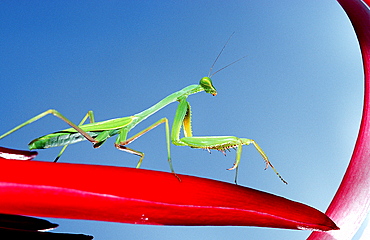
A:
67, 136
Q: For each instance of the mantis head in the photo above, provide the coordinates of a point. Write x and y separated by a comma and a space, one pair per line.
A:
206, 84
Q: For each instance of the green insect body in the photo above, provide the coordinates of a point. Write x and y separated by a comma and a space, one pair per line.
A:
98, 132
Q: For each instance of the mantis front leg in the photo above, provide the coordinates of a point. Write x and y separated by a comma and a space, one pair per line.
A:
220, 143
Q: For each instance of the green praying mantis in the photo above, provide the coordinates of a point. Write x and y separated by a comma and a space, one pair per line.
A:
98, 132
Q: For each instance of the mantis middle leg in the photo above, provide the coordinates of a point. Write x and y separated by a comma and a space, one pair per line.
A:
122, 141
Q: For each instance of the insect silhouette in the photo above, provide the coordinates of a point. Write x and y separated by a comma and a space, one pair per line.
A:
98, 132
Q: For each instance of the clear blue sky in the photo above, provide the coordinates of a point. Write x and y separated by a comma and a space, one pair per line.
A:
298, 93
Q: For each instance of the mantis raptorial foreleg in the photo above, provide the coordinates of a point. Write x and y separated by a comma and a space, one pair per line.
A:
220, 143
90, 115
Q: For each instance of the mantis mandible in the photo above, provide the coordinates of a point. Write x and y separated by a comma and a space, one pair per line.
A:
98, 132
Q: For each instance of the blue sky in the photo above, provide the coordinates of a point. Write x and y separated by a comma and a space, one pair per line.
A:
298, 92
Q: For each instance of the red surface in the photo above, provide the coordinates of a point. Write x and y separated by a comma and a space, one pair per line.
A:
7, 153
139, 196
350, 206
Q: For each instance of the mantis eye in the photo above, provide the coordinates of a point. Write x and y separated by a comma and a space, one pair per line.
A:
207, 85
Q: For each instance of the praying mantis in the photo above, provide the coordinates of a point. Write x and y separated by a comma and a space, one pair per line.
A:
98, 132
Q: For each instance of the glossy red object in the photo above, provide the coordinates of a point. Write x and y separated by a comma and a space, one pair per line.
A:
8, 153
139, 196
350, 206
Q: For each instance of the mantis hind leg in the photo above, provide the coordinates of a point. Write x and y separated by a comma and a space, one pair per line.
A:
55, 113
90, 115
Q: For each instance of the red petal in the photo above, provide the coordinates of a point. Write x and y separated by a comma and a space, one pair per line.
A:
350, 206
139, 196
7, 153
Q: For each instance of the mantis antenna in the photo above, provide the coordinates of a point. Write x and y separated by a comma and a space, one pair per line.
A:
227, 65
210, 74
